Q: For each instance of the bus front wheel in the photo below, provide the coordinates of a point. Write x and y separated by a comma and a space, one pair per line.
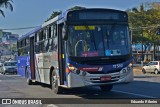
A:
106, 87
54, 84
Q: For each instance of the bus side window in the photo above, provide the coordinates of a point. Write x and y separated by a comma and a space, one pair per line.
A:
52, 31
46, 45
55, 31
40, 36
55, 43
55, 39
35, 38
50, 45
49, 32
37, 48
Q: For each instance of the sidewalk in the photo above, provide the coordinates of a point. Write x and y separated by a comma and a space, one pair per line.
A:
137, 70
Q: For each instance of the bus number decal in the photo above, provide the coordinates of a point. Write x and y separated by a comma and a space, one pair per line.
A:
118, 66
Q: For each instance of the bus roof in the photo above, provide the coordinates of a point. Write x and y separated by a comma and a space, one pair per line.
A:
63, 16
30, 33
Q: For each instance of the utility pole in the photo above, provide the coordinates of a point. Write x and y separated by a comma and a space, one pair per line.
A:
142, 49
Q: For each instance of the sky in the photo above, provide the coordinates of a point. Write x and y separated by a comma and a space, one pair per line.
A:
30, 13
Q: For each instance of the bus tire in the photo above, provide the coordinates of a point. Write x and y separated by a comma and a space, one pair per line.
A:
29, 81
54, 83
143, 71
106, 87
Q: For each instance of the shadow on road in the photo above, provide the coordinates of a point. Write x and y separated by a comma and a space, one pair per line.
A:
136, 89
141, 87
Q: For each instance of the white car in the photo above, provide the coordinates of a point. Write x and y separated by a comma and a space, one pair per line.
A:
9, 67
152, 67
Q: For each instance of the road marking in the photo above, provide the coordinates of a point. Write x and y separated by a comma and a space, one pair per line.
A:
134, 94
51, 105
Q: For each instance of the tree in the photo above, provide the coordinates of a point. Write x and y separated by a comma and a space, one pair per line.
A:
5, 4
54, 14
144, 21
77, 8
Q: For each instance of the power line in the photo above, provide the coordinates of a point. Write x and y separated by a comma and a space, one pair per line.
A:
22, 28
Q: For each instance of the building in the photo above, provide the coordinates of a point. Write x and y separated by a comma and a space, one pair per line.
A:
8, 42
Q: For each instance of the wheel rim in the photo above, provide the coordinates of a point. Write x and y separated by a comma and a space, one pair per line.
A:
156, 71
143, 71
54, 81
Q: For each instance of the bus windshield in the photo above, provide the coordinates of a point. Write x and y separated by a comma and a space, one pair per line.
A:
98, 40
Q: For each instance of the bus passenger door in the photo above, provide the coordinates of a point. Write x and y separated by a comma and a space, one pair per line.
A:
32, 58
61, 56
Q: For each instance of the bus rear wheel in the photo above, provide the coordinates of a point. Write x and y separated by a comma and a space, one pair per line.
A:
54, 84
106, 87
29, 81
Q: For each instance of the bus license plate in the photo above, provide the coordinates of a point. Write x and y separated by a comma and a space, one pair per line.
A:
105, 78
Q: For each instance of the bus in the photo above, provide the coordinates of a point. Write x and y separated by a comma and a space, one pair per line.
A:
78, 48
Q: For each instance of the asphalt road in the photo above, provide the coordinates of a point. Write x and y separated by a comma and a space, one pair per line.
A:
143, 86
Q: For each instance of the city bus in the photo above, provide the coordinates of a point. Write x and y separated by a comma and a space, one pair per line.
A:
79, 48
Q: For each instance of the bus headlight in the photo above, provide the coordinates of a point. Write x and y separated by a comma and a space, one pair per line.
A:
71, 67
129, 68
124, 70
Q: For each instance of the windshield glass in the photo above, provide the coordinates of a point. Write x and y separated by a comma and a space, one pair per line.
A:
98, 40
9, 64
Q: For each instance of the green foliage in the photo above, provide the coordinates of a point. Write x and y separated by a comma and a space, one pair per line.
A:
145, 18
54, 14
5, 4
77, 8
14, 47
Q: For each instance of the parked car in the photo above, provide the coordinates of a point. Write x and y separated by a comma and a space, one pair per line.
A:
152, 67
1, 62
13, 61
9, 67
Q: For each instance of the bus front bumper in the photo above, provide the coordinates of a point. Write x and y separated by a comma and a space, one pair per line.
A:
75, 80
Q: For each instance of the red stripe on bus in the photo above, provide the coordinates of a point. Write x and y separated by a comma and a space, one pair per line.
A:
68, 70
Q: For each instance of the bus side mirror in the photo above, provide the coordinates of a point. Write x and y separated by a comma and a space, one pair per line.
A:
64, 32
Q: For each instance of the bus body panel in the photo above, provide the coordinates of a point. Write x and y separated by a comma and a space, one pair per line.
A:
44, 62
98, 71
86, 80
23, 62
39, 58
